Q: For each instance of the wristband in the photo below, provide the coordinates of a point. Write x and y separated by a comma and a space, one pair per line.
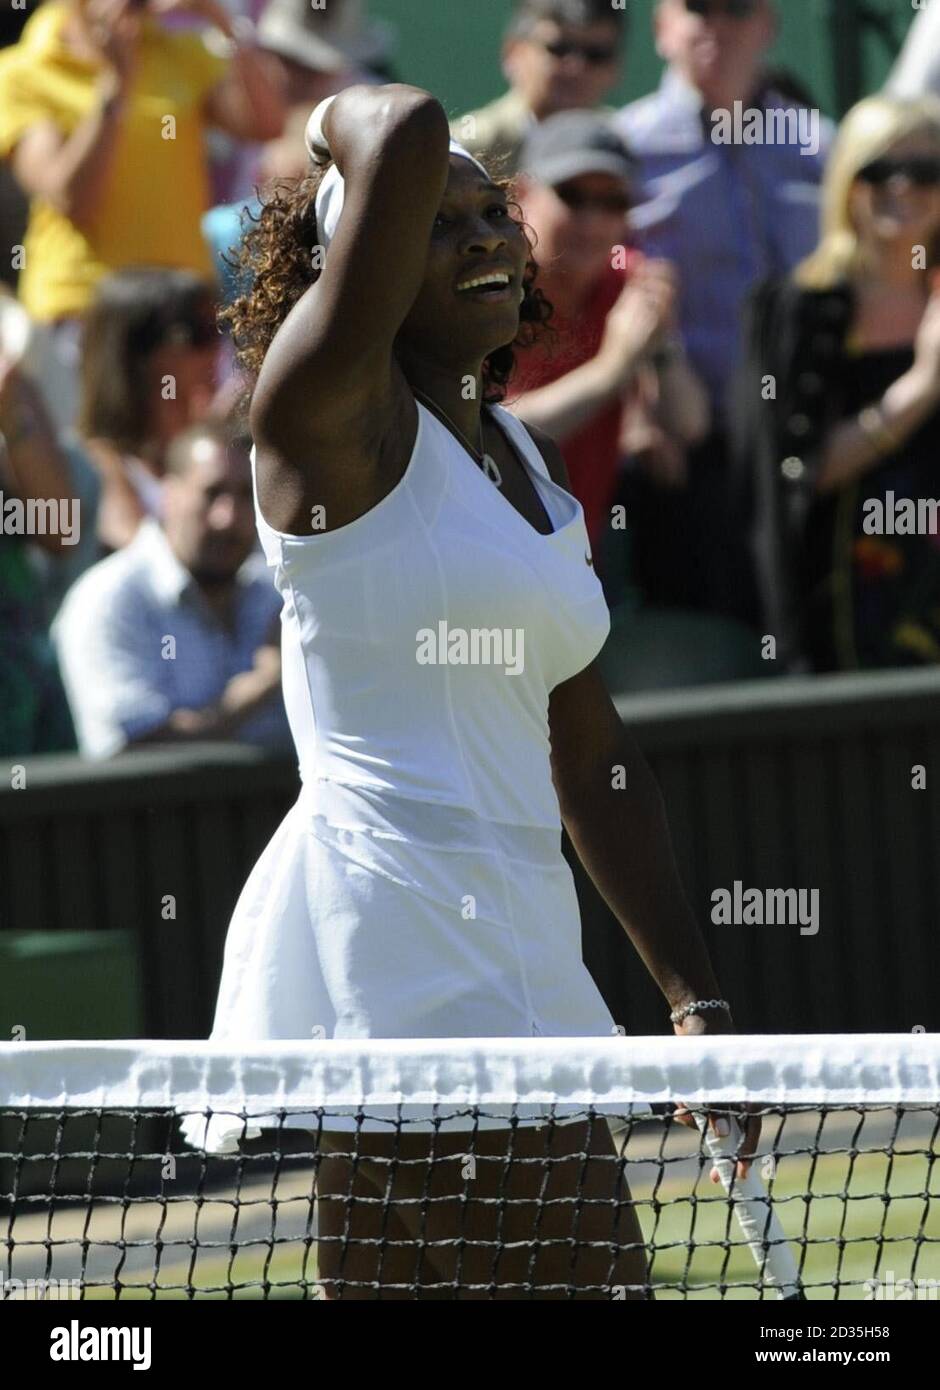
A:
332, 191
314, 139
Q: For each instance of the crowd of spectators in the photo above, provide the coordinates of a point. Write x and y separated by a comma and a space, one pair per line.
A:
743, 367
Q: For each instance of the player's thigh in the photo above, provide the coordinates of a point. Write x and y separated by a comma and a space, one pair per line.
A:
551, 1218
365, 1247
534, 1213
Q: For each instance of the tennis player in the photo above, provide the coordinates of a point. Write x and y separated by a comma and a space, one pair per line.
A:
440, 624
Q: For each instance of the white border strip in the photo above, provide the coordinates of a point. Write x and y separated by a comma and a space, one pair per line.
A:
787, 1069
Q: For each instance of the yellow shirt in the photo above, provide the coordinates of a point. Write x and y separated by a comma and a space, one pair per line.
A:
158, 188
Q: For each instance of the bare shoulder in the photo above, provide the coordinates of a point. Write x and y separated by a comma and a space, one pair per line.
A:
551, 453
346, 473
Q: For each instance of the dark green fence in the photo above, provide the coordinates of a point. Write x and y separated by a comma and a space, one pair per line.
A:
70, 984
784, 784
160, 842
799, 784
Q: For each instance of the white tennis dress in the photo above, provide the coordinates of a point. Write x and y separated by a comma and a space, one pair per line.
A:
417, 888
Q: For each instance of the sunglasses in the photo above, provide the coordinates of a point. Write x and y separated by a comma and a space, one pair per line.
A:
596, 54
733, 9
923, 171
576, 199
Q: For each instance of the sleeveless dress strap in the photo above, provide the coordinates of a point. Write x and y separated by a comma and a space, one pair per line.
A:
522, 439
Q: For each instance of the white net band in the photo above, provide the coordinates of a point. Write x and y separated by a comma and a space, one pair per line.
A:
787, 1069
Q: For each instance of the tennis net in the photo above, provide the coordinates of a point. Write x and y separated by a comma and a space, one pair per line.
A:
472, 1169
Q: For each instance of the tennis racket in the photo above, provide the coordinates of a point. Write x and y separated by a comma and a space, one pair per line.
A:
754, 1212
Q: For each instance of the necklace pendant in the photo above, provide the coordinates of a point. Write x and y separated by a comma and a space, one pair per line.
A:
491, 470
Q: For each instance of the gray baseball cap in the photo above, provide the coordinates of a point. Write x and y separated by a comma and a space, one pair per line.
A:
338, 36
572, 143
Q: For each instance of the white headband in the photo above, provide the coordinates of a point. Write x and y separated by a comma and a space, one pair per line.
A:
332, 192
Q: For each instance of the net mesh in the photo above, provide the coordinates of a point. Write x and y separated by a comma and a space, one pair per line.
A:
530, 1168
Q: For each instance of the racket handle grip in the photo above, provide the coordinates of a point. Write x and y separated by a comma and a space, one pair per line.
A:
759, 1223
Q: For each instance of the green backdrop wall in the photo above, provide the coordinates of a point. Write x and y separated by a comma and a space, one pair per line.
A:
840, 49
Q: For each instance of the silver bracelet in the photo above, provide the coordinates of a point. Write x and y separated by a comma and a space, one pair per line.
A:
698, 1007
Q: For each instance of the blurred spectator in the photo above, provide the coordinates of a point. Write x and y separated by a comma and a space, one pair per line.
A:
31, 345
26, 345
611, 346
35, 510
313, 53
223, 226
175, 637
148, 372
316, 53
777, 82
14, 217
558, 55
321, 51
917, 71
728, 213
102, 117
849, 442
14, 207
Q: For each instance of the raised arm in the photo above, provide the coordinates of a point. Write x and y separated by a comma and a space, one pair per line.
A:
325, 400
247, 103
633, 325
73, 171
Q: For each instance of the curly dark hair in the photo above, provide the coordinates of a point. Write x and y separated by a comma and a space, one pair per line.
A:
274, 263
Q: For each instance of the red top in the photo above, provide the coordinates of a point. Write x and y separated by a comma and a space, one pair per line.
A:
591, 453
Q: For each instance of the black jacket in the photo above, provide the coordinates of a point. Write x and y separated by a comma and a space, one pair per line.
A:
786, 399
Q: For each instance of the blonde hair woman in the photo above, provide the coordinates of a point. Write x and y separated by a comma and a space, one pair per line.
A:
845, 447
879, 131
